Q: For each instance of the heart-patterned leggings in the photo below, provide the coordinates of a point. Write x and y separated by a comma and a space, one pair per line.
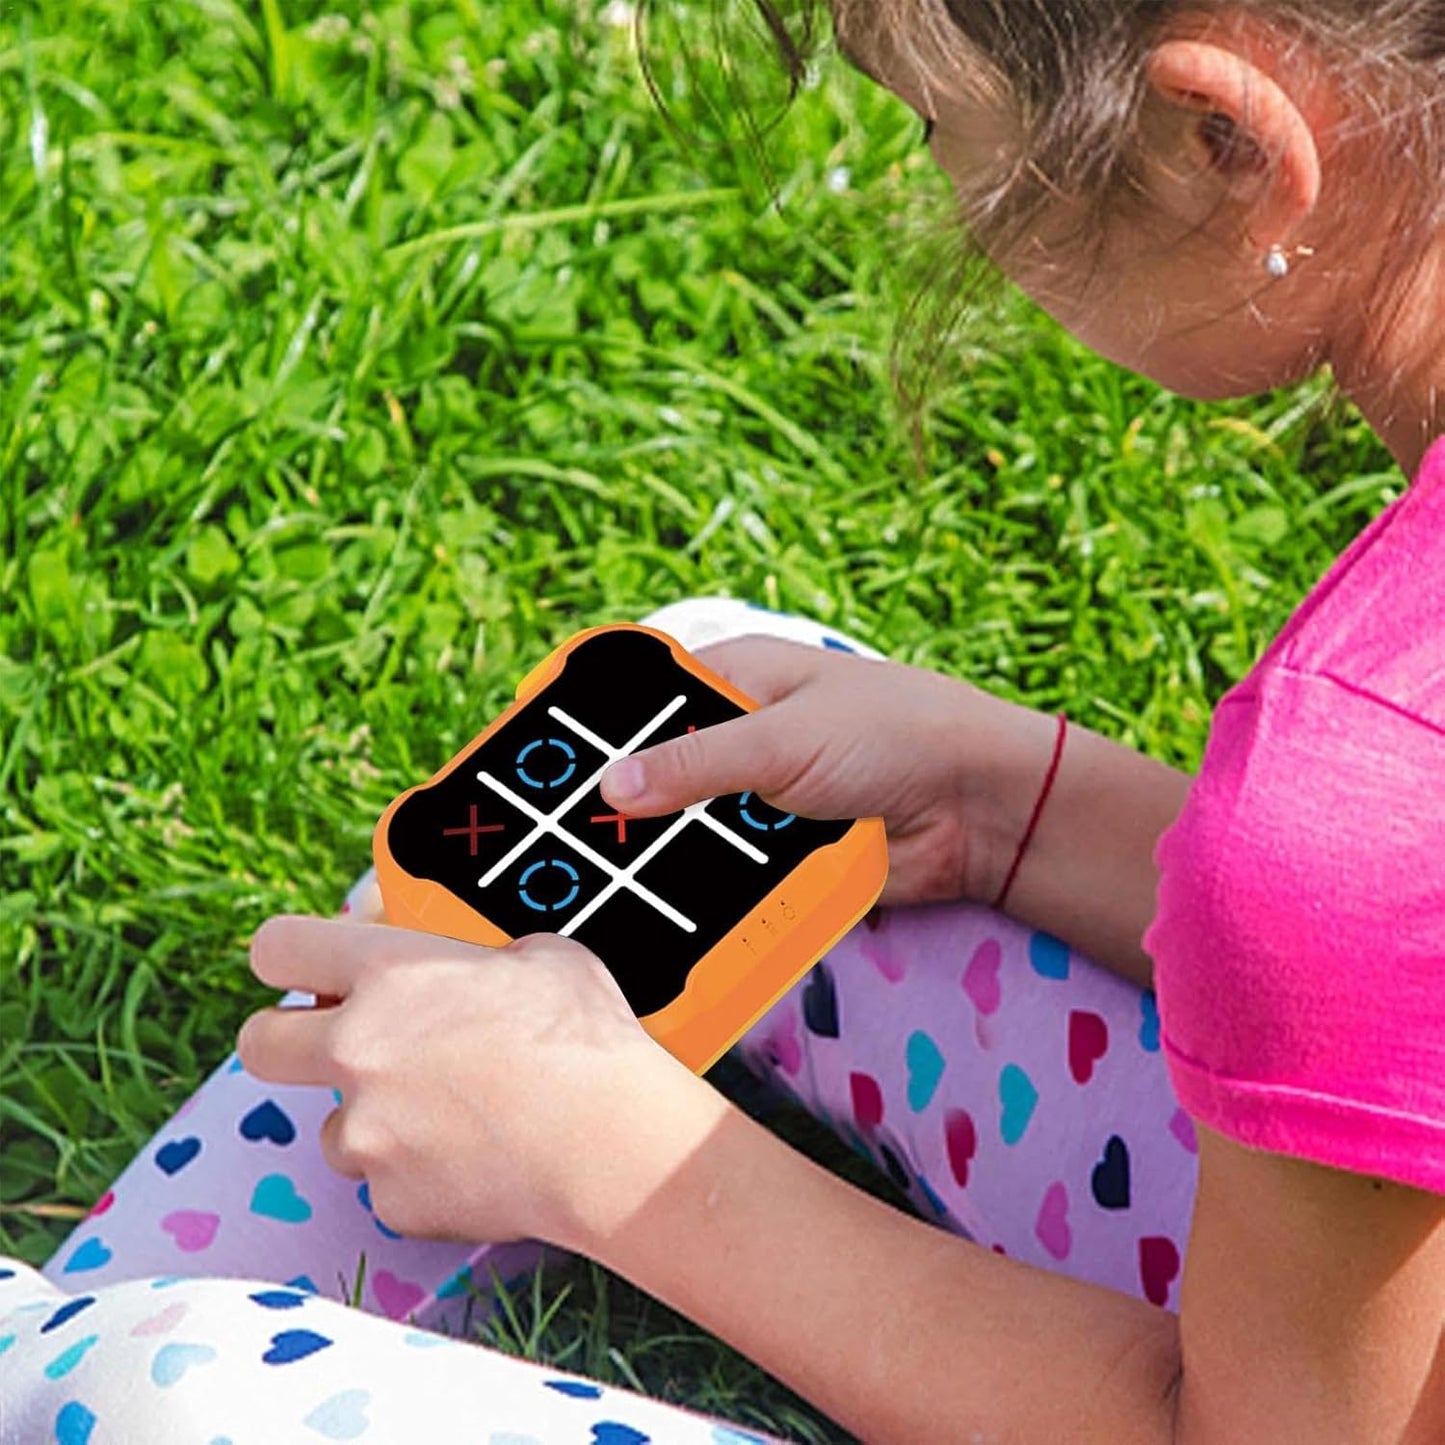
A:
1012, 1088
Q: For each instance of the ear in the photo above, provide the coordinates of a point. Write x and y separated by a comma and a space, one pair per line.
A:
1249, 132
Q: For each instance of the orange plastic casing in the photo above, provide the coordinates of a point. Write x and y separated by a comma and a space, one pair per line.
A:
768, 949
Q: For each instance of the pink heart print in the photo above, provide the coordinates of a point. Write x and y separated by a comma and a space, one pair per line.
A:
961, 1138
1181, 1126
1158, 1268
980, 979
163, 1323
781, 1041
397, 1297
867, 1101
888, 963
1052, 1227
1088, 1043
192, 1230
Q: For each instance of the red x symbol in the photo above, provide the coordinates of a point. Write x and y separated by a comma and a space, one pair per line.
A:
620, 819
473, 830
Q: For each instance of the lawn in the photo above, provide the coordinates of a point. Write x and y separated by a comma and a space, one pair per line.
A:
352, 357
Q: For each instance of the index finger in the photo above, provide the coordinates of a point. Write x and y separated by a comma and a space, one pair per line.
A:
766, 668
315, 955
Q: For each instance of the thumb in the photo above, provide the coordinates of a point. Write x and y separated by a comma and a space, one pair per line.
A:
748, 753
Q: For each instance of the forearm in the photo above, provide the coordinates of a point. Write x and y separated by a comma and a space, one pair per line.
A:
1088, 876
894, 1328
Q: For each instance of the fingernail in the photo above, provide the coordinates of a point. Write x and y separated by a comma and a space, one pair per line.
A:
624, 782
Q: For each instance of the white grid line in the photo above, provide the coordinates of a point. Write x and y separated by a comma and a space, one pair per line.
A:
546, 826
723, 831
627, 879
611, 757
618, 879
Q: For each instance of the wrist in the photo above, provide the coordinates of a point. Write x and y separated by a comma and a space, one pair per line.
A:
649, 1117
1006, 775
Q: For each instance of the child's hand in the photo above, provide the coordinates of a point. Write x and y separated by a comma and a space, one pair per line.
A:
485, 1090
951, 769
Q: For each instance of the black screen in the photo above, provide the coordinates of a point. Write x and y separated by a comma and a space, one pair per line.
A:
520, 831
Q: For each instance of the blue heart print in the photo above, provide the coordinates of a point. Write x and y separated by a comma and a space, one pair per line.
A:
577, 1389
459, 1284
268, 1122
925, 1069
896, 1172
342, 1417
275, 1197
1049, 956
820, 1003
1110, 1179
363, 1193
609, 1432
1019, 1098
68, 1359
425, 1340
67, 1311
292, 1345
1149, 1026
73, 1425
172, 1361
931, 1195
91, 1255
173, 1157
278, 1299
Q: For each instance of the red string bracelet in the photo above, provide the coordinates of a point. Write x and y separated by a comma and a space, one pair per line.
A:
1049, 779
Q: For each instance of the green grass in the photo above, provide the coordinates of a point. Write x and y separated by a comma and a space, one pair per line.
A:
351, 358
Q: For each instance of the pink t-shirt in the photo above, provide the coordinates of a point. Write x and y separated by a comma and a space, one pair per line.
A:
1299, 943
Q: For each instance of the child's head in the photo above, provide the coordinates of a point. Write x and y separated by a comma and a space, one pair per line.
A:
1133, 163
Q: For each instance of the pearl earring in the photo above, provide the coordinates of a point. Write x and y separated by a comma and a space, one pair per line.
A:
1278, 261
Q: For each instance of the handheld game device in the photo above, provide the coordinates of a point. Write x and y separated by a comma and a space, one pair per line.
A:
704, 917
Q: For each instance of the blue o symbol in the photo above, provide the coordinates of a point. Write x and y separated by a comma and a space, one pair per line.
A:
762, 827
531, 748
531, 872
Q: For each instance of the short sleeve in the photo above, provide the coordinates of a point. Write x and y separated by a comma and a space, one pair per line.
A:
1299, 942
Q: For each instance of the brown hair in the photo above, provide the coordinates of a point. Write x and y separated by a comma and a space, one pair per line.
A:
1073, 74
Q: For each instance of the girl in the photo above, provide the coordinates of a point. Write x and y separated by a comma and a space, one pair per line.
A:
1223, 196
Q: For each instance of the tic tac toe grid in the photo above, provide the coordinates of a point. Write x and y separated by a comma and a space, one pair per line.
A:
520, 832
